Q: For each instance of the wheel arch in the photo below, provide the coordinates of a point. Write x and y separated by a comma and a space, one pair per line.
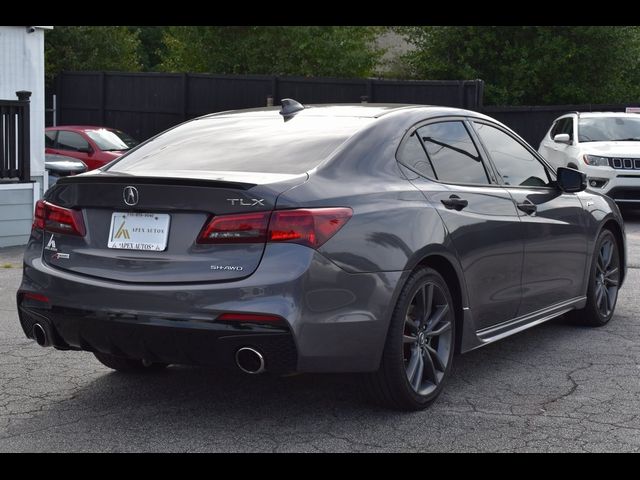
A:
455, 281
614, 227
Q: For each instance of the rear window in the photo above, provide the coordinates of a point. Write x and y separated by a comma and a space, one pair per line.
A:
244, 144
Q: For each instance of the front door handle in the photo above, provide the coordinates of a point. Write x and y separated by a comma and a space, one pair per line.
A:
454, 202
527, 207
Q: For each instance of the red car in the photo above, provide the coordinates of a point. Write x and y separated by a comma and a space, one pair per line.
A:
95, 146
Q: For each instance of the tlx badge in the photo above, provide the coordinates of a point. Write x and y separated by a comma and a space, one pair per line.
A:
246, 202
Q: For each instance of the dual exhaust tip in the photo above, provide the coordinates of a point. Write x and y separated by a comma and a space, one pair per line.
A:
41, 335
248, 359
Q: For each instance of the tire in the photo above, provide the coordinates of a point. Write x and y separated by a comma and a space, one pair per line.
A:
128, 365
412, 346
604, 281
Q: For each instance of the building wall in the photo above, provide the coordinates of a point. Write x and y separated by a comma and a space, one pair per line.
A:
22, 68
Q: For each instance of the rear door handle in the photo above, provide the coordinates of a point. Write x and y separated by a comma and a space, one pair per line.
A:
527, 207
454, 202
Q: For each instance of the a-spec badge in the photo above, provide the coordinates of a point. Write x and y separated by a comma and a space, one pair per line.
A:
130, 195
51, 244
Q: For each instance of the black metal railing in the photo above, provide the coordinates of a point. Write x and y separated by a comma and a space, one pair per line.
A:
15, 156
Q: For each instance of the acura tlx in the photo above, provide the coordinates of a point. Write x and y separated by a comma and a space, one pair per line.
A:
371, 238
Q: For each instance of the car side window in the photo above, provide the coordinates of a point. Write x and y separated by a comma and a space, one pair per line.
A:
555, 129
412, 154
49, 139
71, 141
452, 153
516, 165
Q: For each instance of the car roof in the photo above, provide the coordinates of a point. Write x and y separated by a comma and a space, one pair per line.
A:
367, 110
599, 114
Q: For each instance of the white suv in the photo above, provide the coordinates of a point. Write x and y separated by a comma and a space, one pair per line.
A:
604, 145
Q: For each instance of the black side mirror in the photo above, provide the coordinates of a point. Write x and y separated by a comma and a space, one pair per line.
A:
571, 180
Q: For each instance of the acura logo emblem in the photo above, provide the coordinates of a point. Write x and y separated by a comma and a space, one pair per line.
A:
130, 195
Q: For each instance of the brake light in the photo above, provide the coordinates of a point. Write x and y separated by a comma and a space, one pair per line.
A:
243, 228
53, 218
38, 297
310, 226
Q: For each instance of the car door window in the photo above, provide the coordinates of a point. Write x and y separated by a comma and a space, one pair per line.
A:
72, 141
516, 165
452, 153
411, 154
49, 139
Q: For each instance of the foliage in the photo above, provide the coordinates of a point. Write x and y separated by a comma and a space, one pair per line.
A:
532, 65
305, 51
91, 48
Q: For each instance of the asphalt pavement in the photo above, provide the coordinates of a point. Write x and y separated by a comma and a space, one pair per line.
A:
555, 387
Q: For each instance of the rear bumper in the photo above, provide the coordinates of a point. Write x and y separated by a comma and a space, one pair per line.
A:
336, 321
161, 340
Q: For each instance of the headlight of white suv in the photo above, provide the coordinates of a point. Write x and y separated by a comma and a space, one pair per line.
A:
596, 161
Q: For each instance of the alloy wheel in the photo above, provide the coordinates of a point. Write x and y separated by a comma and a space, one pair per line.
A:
427, 338
607, 277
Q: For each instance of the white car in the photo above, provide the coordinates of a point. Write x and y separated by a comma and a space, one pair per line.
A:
604, 145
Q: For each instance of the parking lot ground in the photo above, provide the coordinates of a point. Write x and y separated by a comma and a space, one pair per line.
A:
555, 387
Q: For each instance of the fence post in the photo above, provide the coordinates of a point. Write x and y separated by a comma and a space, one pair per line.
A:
185, 95
102, 99
274, 89
24, 162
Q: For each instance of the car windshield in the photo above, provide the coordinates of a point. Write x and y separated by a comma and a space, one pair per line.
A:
112, 140
243, 144
607, 129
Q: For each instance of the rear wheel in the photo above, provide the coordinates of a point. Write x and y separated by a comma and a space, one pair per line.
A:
419, 348
128, 365
604, 281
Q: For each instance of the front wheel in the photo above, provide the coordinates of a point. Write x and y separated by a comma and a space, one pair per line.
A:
419, 348
604, 281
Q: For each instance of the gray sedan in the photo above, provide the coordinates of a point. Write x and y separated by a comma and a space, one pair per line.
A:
379, 239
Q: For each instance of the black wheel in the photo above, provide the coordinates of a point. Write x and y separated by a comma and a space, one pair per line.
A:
418, 352
128, 365
604, 282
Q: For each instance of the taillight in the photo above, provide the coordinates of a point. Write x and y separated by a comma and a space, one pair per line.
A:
309, 226
53, 218
243, 228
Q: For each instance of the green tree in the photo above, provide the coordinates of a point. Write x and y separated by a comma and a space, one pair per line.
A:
91, 48
306, 51
151, 49
532, 65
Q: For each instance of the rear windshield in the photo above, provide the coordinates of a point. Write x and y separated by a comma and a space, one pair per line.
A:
243, 144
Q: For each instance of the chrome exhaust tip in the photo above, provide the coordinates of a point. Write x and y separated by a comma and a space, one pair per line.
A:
250, 360
39, 334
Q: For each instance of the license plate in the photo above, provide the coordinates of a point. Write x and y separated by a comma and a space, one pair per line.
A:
139, 231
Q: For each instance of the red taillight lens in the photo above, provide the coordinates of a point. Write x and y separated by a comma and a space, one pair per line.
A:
38, 297
53, 218
311, 227
38, 216
249, 317
243, 228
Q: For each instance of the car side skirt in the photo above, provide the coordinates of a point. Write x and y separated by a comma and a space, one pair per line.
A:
475, 339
